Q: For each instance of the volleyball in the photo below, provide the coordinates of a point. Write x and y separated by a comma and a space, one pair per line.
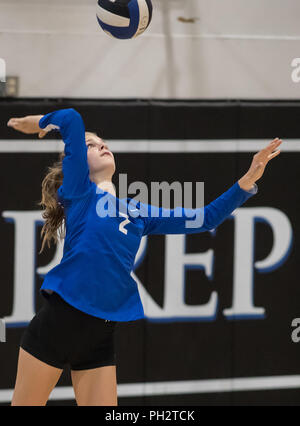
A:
124, 19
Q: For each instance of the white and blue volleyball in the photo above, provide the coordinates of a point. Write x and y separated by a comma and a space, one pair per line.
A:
124, 19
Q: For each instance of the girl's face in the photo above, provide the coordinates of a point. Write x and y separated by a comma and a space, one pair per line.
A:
100, 158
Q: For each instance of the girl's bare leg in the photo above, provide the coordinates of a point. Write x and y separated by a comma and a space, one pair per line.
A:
97, 386
35, 381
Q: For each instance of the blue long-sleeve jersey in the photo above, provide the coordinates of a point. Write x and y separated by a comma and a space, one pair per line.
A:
94, 274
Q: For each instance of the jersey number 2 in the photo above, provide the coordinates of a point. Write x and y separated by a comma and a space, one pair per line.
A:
124, 223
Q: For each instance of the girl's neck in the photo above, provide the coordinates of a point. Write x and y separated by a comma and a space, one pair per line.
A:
106, 185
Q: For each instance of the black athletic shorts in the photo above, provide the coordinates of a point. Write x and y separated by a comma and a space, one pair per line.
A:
60, 334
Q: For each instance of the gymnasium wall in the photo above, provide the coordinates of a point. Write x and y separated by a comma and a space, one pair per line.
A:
228, 340
194, 49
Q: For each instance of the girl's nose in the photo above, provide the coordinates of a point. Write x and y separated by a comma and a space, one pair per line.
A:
103, 146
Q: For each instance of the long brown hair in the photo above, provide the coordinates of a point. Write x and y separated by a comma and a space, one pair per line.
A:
54, 226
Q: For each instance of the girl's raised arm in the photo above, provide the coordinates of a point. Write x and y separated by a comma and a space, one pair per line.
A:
76, 182
69, 122
175, 221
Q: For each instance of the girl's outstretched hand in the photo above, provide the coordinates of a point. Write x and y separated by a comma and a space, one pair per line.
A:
28, 125
259, 162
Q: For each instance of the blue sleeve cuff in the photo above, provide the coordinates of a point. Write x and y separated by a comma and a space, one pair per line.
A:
251, 191
43, 124
254, 189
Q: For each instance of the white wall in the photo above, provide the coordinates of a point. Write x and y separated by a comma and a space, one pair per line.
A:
235, 49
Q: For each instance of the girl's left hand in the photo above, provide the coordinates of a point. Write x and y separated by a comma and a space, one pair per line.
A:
259, 162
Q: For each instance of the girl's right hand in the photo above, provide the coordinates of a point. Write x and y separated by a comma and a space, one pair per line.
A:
28, 125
